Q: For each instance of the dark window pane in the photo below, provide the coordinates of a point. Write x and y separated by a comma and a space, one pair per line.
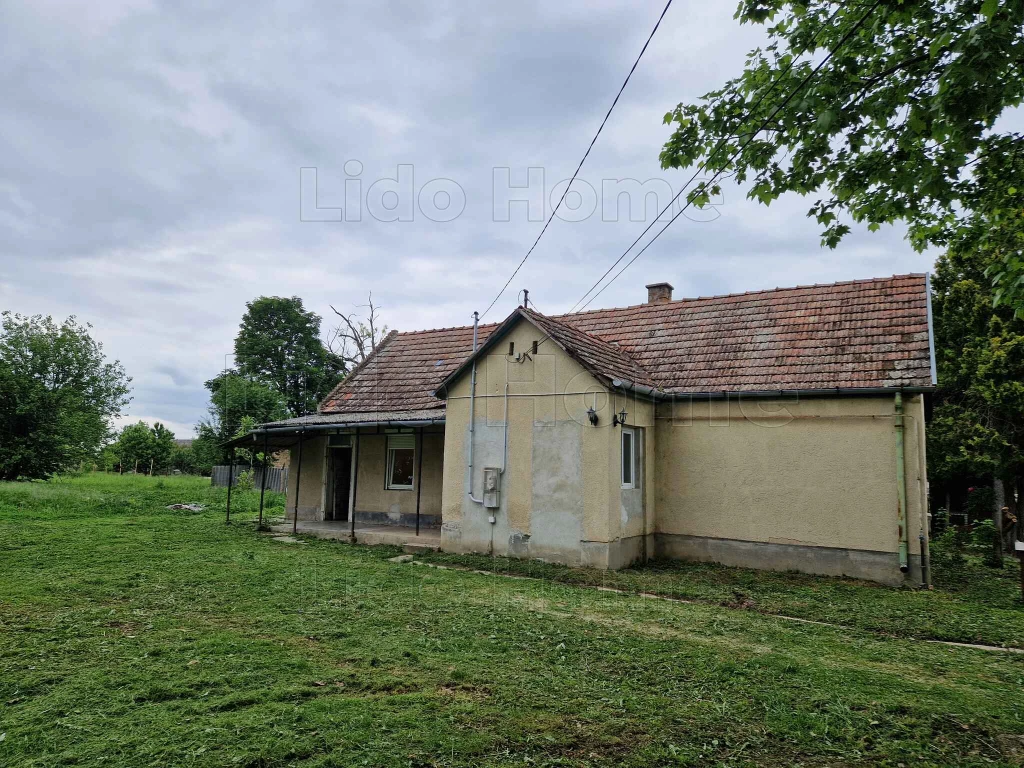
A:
627, 457
401, 466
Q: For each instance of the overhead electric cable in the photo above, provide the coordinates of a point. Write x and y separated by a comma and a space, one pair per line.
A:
717, 148
578, 167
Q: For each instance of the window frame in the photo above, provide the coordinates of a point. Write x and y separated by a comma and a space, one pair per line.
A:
632, 484
389, 464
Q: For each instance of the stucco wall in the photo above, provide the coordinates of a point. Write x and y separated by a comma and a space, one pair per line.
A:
311, 486
371, 494
561, 498
814, 473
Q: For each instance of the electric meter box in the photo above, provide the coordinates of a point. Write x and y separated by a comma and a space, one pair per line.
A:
492, 487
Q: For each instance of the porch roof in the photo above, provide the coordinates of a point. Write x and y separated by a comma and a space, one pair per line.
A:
280, 434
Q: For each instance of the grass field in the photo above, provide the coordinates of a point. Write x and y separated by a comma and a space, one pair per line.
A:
131, 635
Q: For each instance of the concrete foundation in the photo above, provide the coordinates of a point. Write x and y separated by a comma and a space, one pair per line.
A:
618, 554
882, 567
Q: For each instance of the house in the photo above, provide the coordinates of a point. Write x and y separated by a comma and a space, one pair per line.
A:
780, 429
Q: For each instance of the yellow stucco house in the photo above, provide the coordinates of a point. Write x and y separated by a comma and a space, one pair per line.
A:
780, 429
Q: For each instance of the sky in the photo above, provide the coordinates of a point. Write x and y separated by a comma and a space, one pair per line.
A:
165, 163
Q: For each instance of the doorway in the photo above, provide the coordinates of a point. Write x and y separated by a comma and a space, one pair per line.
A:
340, 484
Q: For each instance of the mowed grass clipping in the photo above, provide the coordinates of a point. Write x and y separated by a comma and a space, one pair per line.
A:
132, 635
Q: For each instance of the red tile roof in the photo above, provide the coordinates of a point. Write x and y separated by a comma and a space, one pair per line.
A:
404, 371
852, 335
863, 333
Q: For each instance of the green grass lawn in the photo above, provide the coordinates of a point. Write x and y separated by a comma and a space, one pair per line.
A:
134, 635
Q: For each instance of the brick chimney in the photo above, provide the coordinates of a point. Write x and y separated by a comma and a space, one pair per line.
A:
659, 293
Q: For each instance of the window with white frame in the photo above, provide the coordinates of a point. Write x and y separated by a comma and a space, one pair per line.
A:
401, 462
629, 458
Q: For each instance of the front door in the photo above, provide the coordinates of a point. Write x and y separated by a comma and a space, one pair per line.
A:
341, 482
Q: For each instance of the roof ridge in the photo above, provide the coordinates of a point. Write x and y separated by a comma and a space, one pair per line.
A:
450, 328
747, 293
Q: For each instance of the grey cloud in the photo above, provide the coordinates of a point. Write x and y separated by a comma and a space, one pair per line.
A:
150, 178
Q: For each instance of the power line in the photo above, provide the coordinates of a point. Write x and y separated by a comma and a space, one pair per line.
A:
578, 167
721, 144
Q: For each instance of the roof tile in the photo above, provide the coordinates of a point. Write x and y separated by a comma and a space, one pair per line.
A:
859, 334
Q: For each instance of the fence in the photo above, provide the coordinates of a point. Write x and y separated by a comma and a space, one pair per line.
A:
277, 477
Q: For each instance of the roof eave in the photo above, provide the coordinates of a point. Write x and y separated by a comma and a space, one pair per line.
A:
823, 392
298, 431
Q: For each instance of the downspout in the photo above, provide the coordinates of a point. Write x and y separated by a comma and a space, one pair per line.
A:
472, 408
901, 484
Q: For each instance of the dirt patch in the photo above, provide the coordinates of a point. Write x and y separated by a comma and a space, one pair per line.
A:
126, 628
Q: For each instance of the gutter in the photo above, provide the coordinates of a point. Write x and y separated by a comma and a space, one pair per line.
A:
640, 389
657, 394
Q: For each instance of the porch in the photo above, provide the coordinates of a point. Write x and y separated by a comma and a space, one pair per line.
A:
394, 535
373, 477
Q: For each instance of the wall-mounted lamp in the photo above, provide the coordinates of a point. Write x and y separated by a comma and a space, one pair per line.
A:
619, 418
592, 415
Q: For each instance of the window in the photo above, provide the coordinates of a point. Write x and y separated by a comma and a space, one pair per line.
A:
628, 458
401, 462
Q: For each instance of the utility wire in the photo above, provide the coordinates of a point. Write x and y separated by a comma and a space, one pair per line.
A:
715, 151
585, 155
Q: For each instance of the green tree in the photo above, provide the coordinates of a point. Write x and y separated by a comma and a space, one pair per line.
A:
57, 396
977, 430
234, 399
183, 459
109, 460
899, 125
135, 447
278, 343
207, 451
163, 447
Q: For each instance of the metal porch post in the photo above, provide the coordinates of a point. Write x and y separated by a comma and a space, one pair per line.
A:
263, 481
298, 481
231, 478
355, 490
419, 477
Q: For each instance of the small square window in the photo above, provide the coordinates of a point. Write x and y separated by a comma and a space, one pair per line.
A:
628, 458
401, 462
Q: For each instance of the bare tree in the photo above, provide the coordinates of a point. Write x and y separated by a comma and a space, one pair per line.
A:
356, 336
